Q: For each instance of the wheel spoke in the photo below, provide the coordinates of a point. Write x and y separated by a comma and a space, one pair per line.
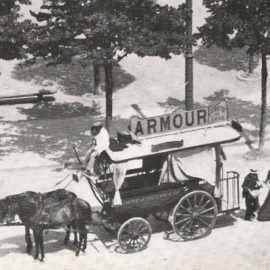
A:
124, 238
131, 226
144, 229
182, 220
126, 233
201, 200
186, 209
203, 221
189, 203
139, 244
133, 242
123, 243
142, 238
189, 225
206, 210
139, 227
195, 199
129, 242
204, 205
186, 224
180, 214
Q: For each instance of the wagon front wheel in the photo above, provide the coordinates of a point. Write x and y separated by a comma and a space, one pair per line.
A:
134, 234
195, 215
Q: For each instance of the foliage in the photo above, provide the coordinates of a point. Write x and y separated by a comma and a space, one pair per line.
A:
107, 30
12, 32
9, 6
240, 23
236, 24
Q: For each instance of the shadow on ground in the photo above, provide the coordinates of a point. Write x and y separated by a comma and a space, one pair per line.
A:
53, 242
73, 78
222, 221
221, 59
240, 214
51, 129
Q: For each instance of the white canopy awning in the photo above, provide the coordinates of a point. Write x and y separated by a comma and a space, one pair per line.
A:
191, 163
220, 133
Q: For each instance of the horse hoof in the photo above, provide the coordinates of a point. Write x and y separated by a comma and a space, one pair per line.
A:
42, 260
28, 249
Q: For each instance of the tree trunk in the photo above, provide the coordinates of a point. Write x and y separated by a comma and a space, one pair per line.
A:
96, 78
108, 68
263, 103
189, 61
251, 62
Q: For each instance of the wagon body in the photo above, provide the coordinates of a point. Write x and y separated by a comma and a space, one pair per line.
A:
145, 201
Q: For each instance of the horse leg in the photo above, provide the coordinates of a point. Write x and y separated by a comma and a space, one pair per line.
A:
75, 242
73, 225
41, 243
67, 234
79, 244
28, 240
36, 236
85, 239
81, 237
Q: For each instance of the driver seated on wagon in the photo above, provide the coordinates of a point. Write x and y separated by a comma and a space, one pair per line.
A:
100, 141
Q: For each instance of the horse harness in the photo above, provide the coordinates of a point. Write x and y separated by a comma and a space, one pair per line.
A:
48, 208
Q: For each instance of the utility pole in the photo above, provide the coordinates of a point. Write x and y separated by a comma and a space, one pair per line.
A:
189, 60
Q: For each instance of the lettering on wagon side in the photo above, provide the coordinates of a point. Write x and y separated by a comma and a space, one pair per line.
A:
148, 198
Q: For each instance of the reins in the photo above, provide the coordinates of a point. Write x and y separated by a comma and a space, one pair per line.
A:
62, 180
68, 184
94, 190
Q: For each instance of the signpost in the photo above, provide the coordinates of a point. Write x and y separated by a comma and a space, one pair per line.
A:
179, 120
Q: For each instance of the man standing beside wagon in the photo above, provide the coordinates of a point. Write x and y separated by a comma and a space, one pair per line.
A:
251, 187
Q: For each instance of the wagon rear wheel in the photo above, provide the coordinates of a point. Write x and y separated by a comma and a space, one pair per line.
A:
134, 234
195, 215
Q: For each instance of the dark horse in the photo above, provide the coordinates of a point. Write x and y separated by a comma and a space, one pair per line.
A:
48, 213
35, 198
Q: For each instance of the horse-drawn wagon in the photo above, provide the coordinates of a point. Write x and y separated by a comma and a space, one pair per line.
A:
173, 170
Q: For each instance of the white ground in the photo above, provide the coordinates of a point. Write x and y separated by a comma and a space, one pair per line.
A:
233, 244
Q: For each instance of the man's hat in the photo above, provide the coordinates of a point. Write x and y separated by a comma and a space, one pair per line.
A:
97, 124
253, 170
